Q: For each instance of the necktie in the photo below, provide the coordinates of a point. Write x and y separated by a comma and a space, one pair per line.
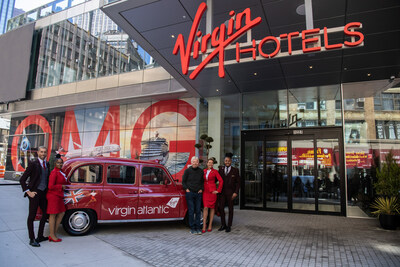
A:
226, 170
44, 165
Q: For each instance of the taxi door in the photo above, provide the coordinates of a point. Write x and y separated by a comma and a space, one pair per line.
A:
159, 197
120, 192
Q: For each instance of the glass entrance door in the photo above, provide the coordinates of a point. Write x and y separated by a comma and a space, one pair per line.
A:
303, 173
293, 170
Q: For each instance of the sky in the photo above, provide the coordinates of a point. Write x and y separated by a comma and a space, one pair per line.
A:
27, 5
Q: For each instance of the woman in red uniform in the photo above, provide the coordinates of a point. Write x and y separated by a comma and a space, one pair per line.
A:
210, 193
55, 199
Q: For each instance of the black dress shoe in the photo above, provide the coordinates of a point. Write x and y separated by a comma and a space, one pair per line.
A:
41, 238
222, 228
228, 229
33, 243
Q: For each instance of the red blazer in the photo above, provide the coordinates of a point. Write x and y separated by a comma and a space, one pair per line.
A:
56, 181
209, 184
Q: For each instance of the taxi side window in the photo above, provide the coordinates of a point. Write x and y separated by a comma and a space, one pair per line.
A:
120, 174
153, 175
87, 174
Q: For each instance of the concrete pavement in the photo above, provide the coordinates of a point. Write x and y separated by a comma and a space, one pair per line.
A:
72, 251
258, 238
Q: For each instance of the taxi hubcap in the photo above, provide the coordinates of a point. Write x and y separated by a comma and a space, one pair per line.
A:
79, 220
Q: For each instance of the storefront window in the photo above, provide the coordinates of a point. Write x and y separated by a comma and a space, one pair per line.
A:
371, 129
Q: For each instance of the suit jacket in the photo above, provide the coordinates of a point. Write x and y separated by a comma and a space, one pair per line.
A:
33, 172
231, 180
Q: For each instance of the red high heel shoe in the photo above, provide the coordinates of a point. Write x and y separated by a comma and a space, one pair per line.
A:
54, 240
209, 230
203, 231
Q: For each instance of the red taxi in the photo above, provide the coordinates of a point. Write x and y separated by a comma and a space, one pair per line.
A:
119, 190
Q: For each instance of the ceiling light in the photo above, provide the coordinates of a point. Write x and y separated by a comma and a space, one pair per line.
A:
184, 16
301, 10
310, 66
172, 36
255, 73
368, 74
345, 68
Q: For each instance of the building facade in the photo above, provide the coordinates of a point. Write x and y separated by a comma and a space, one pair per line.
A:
6, 12
308, 122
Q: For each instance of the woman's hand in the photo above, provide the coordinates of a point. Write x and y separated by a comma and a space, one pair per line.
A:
63, 187
215, 192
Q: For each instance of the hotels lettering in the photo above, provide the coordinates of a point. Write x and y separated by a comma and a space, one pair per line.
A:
224, 36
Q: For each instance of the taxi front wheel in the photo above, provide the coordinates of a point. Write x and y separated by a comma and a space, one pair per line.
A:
79, 222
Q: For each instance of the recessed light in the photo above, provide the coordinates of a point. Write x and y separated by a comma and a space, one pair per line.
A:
368, 74
310, 66
255, 73
217, 90
172, 36
301, 10
345, 68
184, 16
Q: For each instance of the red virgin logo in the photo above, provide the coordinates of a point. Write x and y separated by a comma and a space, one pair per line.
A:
223, 37
220, 38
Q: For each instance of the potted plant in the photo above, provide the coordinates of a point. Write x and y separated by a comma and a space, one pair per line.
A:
387, 188
386, 208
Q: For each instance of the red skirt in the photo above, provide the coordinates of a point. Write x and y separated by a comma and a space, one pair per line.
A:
209, 199
55, 204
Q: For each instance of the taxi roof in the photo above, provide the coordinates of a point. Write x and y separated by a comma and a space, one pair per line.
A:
71, 163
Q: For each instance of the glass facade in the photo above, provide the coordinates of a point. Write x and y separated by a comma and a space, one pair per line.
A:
41, 12
162, 131
6, 12
300, 107
372, 129
84, 47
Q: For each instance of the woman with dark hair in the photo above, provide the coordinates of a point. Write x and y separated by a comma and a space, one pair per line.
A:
55, 198
210, 193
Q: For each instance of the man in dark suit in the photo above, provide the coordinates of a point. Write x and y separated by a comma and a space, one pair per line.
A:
230, 191
35, 189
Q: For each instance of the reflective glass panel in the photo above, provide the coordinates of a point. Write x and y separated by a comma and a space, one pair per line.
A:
276, 177
303, 170
253, 173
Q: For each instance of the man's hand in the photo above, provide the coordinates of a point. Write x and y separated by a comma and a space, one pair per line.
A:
187, 190
63, 186
200, 191
234, 196
215, 192
31, 194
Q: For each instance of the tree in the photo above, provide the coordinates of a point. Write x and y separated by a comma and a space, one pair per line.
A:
388, 177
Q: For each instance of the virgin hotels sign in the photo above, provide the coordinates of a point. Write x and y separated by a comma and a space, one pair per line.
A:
224, 37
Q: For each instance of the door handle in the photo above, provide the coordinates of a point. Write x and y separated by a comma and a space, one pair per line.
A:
143, 191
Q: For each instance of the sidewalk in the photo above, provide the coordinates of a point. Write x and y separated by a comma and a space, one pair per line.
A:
72, 251
258, 238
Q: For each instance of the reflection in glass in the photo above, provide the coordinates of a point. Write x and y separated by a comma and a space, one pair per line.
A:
303, 192
253, 173
328, 175
314, 106
265, 110
87, 46
276, 174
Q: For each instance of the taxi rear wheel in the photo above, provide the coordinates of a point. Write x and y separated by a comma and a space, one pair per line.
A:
79, 222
